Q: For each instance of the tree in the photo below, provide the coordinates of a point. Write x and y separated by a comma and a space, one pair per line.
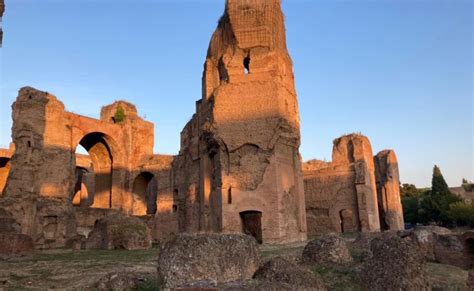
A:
434, 206
409, 190
438, 184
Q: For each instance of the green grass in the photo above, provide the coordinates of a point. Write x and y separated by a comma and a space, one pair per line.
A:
102, 256
320, 269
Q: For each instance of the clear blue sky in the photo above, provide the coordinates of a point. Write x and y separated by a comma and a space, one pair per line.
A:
400, 72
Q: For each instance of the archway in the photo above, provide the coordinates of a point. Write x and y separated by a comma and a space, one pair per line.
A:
144, 194
101, 158
4, 170
347, 220
252, 224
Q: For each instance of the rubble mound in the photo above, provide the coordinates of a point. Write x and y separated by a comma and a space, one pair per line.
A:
455, 249
470, 280
396, 264
328, 249
15, 244
119, 281
278, 270
119, 232
209, 257
364, 239
425, 237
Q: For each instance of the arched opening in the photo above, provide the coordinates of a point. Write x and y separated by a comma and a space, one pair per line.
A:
144, 194
247, 65
4, 170
252, 224
347, 221
101, 163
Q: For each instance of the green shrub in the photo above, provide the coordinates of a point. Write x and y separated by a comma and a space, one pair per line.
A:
119, 115
462, 213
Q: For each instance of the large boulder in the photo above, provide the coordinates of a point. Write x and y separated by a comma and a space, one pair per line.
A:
396, 264
283, 272
218, 258
328, 249
425, 237
15, 244
455, 249
117, 231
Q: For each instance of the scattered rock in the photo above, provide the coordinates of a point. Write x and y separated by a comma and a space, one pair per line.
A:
396, 264
117, 231
119, 281
211, 257
279, 270
16, 244
329, 249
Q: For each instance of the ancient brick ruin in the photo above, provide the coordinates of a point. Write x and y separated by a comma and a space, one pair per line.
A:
238, 169
354, 192
239, 165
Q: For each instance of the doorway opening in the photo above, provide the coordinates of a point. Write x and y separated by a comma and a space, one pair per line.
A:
252, 224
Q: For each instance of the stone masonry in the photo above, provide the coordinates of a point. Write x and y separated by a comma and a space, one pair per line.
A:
239, 166
238, 170
352, 193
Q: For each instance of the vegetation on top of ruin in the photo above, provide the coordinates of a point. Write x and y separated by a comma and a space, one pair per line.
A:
437, 205
467, 185
119, 115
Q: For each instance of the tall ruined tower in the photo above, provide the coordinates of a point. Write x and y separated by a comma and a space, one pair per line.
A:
244, 138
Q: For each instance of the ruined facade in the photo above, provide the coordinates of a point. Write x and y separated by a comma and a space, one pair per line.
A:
239, 164
238, 169
47, 178
354, 192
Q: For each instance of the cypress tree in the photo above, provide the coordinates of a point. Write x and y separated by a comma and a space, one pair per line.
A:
438, 184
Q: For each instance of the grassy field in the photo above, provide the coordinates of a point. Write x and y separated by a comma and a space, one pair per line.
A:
64, 269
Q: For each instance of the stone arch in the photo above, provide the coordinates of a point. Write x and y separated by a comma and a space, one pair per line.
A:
144, 193
252, 224
102, 152
4, 170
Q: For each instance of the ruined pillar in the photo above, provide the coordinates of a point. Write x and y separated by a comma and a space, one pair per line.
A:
42, 166
388, 191
355, 150
246, 129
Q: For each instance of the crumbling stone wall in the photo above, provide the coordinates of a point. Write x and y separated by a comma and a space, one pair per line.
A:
341, 195
44, 178
354, 192
388, 191
243, 140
